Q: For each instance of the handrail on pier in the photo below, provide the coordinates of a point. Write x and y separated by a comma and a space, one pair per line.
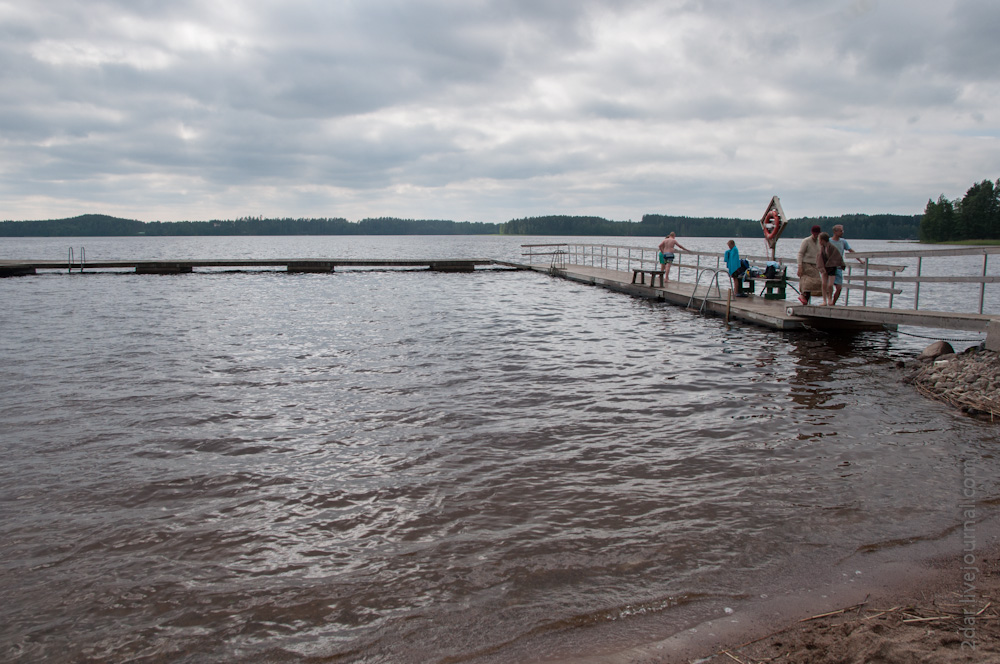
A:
858, 273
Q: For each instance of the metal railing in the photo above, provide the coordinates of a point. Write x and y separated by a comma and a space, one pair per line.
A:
920, 278
866, 272
621, 258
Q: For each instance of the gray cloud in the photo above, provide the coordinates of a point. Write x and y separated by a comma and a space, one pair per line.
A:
491, 110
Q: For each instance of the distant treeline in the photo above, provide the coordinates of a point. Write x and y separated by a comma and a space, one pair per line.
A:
882, 226
102, 225
976, 216
876, 227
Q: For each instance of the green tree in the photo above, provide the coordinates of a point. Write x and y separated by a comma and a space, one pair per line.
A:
938, 222
980, 211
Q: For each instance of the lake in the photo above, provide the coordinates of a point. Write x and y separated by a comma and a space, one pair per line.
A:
411, 466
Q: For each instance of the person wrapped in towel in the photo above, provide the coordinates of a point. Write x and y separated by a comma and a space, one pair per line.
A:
736, 267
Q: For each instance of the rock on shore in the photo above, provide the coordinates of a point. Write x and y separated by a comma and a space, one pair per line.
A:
969, 380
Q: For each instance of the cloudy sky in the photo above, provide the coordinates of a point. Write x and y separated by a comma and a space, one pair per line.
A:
488, 110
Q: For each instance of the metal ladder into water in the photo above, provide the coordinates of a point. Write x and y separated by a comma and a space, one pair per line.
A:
558, 261
83, 259
708, 291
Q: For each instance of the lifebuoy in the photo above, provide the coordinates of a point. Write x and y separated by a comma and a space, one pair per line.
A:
771, 218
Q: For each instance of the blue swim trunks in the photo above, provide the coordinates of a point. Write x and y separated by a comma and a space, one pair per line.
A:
838, 277
665, 258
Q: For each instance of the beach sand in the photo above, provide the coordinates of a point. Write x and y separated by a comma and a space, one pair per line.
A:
940, 611
931, 602
937, 624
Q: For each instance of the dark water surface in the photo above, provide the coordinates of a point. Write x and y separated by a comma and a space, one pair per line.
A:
397, 466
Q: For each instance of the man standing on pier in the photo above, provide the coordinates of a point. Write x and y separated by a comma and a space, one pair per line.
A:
837, 240
666, 254
809, 280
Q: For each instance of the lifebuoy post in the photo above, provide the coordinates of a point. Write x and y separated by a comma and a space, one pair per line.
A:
773, 225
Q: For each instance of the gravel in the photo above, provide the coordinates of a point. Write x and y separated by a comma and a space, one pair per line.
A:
969, 381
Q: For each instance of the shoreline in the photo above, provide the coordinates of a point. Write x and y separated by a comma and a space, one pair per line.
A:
934, 601
942, 607
905, 602
946, 612
931, 602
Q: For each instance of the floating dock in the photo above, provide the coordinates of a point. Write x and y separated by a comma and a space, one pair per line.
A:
774, 314
777, 314
9, 268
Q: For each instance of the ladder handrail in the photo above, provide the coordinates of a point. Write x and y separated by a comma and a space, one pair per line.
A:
715, 279
83, 259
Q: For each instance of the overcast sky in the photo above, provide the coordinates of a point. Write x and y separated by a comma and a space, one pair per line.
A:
488, 110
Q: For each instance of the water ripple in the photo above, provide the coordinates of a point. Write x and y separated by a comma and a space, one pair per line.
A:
395, 467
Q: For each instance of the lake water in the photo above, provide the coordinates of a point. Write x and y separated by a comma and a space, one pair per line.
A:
409, 466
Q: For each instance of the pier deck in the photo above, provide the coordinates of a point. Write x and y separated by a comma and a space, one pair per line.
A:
781, 314
709, 298
946, 320
28, 267
767, 313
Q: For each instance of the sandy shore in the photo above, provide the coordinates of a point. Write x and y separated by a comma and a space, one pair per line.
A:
935, 601
937, 611
940, 625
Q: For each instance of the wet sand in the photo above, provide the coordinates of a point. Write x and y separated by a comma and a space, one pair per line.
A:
941, 610
930, 623
928, 602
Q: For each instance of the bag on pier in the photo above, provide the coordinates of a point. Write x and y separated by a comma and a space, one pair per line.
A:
744, 265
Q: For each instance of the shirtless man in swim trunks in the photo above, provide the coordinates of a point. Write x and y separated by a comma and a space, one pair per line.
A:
666, 255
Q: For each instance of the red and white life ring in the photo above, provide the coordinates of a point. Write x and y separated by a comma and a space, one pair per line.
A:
771, 218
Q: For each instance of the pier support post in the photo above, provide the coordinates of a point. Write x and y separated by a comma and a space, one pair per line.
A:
993, 335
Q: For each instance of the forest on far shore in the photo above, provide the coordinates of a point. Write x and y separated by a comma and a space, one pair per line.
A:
879, 226
975, 216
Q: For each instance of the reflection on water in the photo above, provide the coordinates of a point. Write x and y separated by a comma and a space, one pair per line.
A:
410, 467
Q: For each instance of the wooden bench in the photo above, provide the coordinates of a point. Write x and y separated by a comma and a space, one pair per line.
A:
641, 276
774, 289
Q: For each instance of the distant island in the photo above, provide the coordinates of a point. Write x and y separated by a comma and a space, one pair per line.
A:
880, 226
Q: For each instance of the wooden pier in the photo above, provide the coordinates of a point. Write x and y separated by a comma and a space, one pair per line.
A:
709, 293
614, 267
22, 268
774, 314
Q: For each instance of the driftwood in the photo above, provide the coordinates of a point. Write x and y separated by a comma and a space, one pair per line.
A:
973, 405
